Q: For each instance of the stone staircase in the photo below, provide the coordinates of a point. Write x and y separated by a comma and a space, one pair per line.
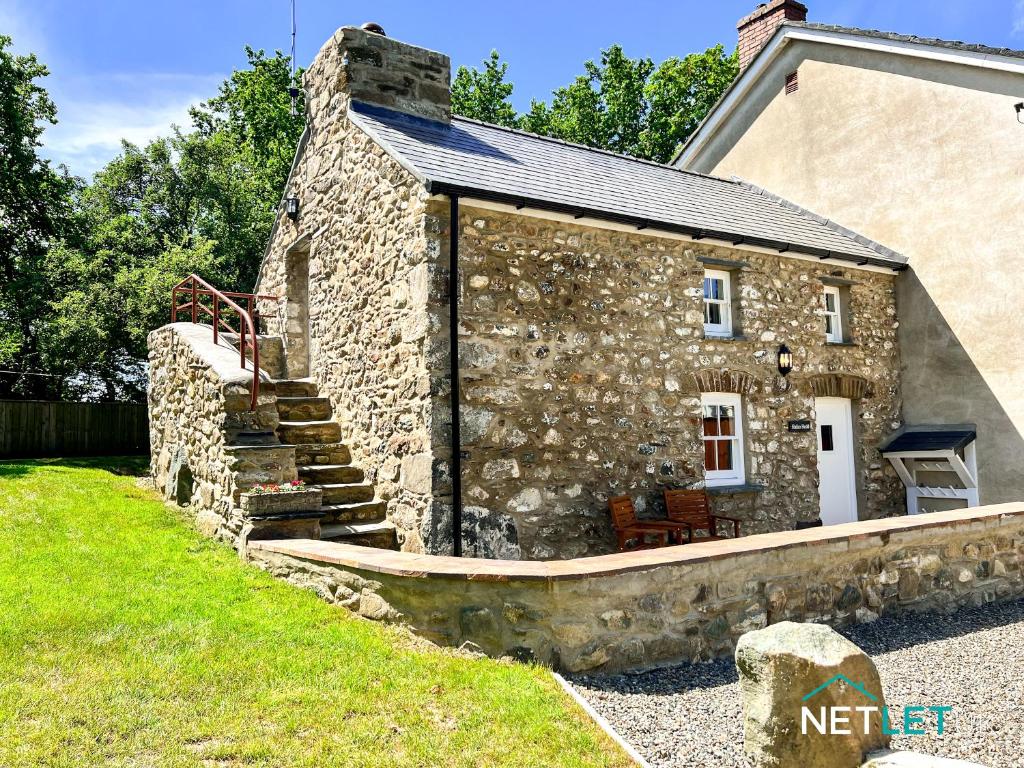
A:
351, 514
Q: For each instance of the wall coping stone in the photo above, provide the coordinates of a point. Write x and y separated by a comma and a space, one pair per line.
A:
412, 565
221, 358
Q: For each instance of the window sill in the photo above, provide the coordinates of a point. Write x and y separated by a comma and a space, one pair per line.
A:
841, 344
721, 490
731, 337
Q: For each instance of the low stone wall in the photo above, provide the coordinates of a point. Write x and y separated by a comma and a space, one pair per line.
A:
199, 399
683, 603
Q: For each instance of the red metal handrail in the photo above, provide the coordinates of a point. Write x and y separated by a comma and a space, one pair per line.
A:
195, 288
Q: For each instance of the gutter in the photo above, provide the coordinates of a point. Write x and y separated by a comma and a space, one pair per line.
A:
695, 233
453, 337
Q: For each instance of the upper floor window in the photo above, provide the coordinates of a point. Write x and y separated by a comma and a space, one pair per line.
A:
723, 438
833, 315
717, 303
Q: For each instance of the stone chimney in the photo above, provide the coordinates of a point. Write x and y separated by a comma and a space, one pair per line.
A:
755, 29
360, 64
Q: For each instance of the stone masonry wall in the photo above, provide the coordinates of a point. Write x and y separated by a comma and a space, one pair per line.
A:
363, 217
580, 351
687, 603
199, 400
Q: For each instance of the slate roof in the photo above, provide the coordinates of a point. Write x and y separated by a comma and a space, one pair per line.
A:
930, 440
955, 45
486, 161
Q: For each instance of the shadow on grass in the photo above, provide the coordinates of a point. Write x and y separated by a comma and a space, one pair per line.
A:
125, 466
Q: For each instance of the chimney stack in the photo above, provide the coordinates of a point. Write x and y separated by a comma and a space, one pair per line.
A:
755, 30
362, 64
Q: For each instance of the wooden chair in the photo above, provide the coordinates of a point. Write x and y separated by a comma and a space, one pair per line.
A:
693, 508
628, 527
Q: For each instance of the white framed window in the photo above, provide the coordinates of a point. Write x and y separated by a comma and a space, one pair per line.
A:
717, 304
722, 433
833, 315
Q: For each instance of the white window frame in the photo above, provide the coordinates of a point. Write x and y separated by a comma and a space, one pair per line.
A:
836, 316
723, 329
734, 476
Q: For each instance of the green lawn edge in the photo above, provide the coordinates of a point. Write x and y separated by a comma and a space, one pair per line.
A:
128, 639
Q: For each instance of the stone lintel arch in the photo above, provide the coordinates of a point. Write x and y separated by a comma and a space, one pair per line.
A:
840, 385
724, 380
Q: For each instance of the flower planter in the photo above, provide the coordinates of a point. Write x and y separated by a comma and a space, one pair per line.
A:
284, 502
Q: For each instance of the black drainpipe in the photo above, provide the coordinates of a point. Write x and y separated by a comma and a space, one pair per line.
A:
453, 322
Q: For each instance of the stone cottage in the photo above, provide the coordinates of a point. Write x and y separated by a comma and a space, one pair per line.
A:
502, 330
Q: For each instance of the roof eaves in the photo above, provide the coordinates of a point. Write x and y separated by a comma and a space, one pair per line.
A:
697, 233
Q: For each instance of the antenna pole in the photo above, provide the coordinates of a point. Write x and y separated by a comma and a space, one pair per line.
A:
292, 90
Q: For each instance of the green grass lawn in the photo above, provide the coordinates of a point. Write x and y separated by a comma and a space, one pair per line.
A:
127, 639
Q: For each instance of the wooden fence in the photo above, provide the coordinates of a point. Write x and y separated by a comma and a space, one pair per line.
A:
42, 428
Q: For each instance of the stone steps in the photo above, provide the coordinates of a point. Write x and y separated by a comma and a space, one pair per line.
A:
380, 535
325, 431
346, 493
365, 512
317, 474
318, 454
350, 513
295, 388
303, 408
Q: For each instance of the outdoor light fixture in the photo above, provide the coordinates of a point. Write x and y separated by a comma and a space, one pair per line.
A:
1018, 108
291, 207
785, 360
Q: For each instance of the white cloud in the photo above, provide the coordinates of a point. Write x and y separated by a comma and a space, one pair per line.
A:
96, 113
1017, 30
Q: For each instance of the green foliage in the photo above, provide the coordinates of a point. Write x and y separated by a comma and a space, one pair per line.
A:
35, 204
200, 201
680, 92
621, 104
632, 107
484, 95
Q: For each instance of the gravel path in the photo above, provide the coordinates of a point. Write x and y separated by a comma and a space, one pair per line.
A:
690, 715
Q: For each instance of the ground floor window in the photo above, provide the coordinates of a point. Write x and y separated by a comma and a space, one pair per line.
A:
723, 438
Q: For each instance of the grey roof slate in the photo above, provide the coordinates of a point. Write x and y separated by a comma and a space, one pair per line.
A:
933, 439
483, 160
955, 45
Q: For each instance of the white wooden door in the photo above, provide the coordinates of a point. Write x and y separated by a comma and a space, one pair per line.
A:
835, 460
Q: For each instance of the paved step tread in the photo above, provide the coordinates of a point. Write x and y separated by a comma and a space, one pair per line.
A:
337, 530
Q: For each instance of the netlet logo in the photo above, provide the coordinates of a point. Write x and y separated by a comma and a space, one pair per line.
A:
843, 720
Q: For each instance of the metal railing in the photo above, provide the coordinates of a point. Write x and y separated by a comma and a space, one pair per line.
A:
203, 298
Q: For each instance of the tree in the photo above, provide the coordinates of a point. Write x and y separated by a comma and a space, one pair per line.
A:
484, 95
632, 107
35, 209
199, 201
254, 109
680, 93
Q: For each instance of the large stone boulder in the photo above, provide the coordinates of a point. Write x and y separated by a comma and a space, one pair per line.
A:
788, 667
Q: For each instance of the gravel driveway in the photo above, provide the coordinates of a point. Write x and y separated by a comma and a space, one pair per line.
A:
690, 715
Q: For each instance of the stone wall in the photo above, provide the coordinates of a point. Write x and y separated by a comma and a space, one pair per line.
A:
583, 358
686, 603
363, 221
199, 400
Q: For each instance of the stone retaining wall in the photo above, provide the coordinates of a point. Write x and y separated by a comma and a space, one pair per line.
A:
686, 603
199, 399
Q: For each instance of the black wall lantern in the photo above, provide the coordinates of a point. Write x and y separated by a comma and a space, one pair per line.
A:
291, 207
785, 360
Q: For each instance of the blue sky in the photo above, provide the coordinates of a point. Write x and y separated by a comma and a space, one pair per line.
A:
129, 69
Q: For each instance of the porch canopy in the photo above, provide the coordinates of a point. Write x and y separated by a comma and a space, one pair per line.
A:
935, 462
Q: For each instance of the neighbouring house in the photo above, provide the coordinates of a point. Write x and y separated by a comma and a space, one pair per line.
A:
917, 143
612, 326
